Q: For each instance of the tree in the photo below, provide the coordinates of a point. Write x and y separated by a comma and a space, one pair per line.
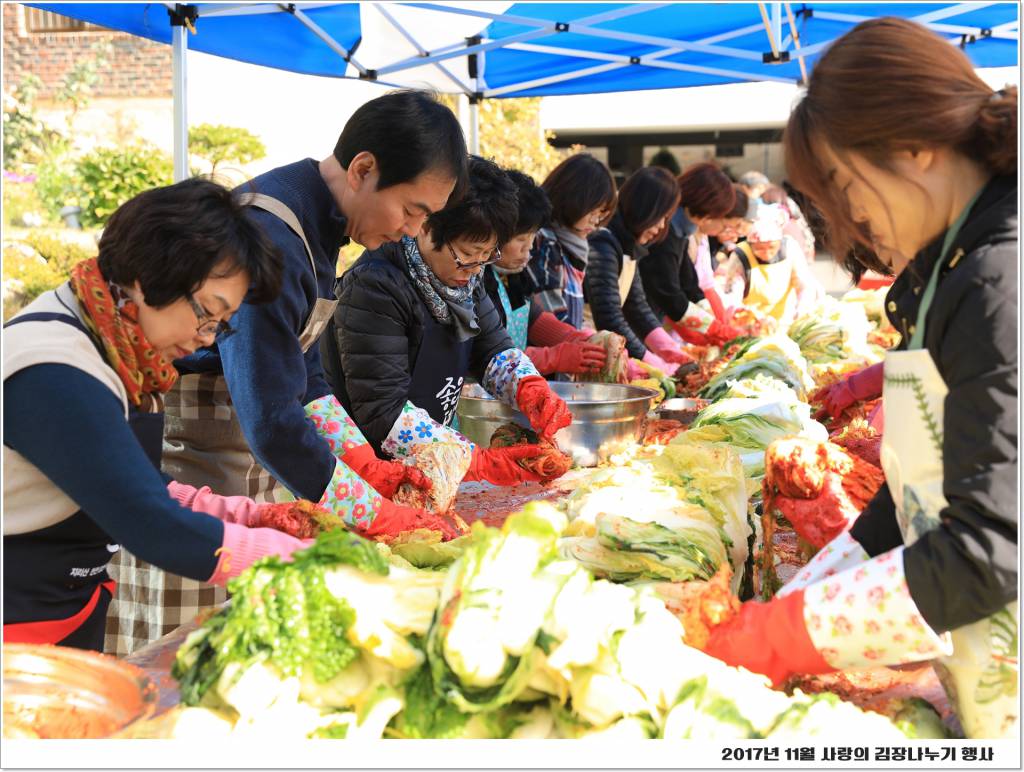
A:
216, 144
511, 135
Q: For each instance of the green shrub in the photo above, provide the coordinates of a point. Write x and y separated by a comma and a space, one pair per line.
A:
60, 252
216, 144
20, 199
107, 177
56, 179
38, 261
26, 138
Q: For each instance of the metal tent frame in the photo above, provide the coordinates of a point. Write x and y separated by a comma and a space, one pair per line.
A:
782, 47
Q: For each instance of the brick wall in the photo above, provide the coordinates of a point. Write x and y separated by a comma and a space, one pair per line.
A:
136, 67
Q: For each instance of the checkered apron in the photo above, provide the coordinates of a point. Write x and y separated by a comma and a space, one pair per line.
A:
203, 445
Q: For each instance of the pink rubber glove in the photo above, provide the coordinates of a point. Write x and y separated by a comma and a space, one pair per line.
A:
244, 546
864, 384
654, 360
230, 509
635, 372
662, 344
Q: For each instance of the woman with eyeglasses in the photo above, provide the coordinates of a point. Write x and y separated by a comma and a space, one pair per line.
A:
85, 370
582, 195
556, 346
413, 320
678, 274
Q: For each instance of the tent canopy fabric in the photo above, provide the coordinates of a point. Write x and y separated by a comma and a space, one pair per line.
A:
492, 49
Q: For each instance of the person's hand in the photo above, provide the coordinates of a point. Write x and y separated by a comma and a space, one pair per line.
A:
567, 357
500, 466
301, 519
768, 638
835, 399
654, 360
384, 476
394, 519
863, 384
719, 333
545, 410
636, 371
661, 343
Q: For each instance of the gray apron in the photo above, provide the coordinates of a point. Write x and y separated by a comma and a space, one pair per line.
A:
203, 445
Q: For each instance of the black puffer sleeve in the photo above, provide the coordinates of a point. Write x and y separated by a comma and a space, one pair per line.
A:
660, 275
375, 327
601, 285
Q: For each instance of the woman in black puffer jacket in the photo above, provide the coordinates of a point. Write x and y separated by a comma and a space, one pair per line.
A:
612, 284
414, 319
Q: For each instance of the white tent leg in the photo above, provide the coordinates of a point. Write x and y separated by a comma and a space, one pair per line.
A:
474, 127
179, 42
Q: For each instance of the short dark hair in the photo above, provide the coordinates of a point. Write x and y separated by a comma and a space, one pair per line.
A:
534, 206
739, 209
706, 191
172, 239
578, 185
409, 133
647, 195
488, 208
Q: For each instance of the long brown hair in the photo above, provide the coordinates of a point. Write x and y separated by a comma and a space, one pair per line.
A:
648, 194
889, 85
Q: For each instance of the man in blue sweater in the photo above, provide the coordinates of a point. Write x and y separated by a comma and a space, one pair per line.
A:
254, 415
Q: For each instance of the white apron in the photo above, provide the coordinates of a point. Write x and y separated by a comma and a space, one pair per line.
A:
981, 675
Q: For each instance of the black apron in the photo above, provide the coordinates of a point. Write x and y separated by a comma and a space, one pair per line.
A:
56, 586
439, 370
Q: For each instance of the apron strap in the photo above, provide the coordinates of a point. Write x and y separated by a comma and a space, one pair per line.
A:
283, 213
917, 339
626, 277
506, 303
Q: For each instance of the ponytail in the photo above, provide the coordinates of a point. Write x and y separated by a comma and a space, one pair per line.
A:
995, 133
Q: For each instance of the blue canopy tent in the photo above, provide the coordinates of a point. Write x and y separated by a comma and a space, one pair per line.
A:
494, 50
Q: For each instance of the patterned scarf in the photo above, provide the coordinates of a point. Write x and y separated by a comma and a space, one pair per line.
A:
450, 306
114, 319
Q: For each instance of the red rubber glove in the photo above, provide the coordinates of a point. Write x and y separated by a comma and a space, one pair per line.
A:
384, 476
547, 330
721, 332
769, 638
568, 357
499, 466
717, 306
393, 519
864, 384
544, 409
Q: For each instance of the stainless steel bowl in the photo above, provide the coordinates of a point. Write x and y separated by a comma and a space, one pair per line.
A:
607, 417
56, 692
681, 409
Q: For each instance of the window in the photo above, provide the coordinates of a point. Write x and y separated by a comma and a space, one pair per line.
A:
37, 20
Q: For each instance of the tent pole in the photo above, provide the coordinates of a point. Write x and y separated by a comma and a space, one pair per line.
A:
777, 26
179, 42
474, 125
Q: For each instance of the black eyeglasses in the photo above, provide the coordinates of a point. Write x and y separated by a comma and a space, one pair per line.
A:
215, 327
495, 257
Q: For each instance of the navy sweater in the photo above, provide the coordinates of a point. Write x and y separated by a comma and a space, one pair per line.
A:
268, 376
92, 455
